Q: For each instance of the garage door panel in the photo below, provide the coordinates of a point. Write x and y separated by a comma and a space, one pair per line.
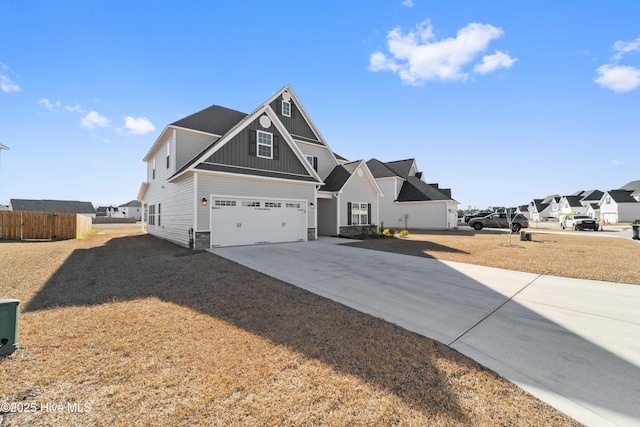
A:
236, 221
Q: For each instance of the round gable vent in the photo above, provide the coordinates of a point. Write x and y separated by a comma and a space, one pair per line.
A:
265, 121
286, 97
360, 172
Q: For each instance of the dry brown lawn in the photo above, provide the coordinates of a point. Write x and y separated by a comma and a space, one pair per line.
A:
581, 254
137, 331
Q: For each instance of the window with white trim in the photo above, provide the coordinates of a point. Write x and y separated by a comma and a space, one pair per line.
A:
151, 215
265, 145
286, 108
153, 168
359, 213
168, 153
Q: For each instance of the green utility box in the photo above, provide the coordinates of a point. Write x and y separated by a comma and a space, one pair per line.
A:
8, 326
525, 236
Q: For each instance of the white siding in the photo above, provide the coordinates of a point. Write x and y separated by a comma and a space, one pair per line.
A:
432, 214
176, 200
325, 162
209, 184
190, 144
358, 189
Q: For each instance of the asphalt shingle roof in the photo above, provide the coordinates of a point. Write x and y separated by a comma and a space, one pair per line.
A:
62, 206
622, 196
339, 176
216, 120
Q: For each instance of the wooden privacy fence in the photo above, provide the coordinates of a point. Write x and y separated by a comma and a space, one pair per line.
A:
21, 225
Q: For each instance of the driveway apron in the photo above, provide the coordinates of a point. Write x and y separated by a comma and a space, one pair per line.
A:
574, 344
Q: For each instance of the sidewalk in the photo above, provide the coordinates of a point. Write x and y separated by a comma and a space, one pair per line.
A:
572, 343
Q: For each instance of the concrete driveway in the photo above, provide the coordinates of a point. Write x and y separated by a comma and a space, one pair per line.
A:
574, 344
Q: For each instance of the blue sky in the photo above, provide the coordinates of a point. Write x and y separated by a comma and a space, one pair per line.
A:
500, 101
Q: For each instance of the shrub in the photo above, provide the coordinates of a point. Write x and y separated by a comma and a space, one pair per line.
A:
404, 233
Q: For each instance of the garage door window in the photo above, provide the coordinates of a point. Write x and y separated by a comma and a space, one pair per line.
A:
273, 205
224, 203
250, 204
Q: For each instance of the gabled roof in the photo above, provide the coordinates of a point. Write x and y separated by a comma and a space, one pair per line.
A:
62, 206
622, 196
215, 120
548, 199
339, 176
416, 190
401, 167
592, 195
380, 170
197, 162
574, 201
132, 204
633, 186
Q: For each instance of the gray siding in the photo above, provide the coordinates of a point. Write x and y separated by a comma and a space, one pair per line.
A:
236, 153
250, 187
189, 145
296, 124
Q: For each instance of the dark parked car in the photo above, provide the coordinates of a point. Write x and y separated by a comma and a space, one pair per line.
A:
478, 214
500, 220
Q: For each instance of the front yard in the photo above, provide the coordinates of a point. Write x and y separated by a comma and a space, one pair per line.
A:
123, 329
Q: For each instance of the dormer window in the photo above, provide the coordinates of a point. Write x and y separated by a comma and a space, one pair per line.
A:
286, 108
265, 145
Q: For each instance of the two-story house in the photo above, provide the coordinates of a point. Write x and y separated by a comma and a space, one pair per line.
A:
220, 177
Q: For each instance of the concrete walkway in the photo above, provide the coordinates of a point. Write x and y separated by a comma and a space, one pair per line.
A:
574, 344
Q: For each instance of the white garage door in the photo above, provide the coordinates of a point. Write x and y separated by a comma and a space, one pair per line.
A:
240, 221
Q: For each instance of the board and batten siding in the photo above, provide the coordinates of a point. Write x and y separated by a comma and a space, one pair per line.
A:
189, 145
236, 152
296, 124
358, 189
250, 187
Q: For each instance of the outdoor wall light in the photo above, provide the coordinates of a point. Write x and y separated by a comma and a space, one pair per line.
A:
311, 205
204, 201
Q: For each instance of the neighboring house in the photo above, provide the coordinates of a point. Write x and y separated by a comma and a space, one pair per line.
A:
591, 196
107, 211
554, 205
62, 206
593, 210
572, 205
539, 210
408, 201
619, 206
220, 177
634, 187
132, 209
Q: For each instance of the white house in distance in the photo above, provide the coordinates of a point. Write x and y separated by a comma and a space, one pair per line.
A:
619, 206
132, 209
220, 177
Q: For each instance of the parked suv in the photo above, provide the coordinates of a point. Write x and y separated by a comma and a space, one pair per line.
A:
500, 220
579, 222
478, 214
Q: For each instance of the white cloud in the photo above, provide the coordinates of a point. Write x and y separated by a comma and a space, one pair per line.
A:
417, 57
92, 120
408, 3
48, 104
618, 78
622, 48
7, 85
76, 108
138, 126
494, 62
616, 163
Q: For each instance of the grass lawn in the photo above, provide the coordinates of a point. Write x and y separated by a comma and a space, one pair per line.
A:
133, 330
